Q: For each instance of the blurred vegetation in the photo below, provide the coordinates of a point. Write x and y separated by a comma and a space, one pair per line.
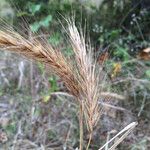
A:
118, 30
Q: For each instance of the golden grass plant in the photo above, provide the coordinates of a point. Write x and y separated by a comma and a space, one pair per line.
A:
80, 75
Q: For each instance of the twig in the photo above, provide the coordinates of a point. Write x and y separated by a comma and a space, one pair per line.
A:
127, 130
142, 106
112, 95
114, 107
16, 136
67, 137
132, 79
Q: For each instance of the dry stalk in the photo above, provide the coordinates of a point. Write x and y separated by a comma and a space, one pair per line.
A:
88, 77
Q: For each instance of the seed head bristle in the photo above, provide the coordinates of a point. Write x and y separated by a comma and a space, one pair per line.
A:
88, 76
14, 42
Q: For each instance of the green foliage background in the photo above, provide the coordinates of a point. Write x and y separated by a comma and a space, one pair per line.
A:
119, 27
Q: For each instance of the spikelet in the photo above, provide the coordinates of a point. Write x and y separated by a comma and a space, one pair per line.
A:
88, 76
42, 52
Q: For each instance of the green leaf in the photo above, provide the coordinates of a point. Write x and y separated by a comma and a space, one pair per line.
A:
53, 83
114, 34
35, 26
121, 52
55, 39
68, 52
46, 98
23, 13
147, 73
46, 21
11, 128
41, 67
34, 8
